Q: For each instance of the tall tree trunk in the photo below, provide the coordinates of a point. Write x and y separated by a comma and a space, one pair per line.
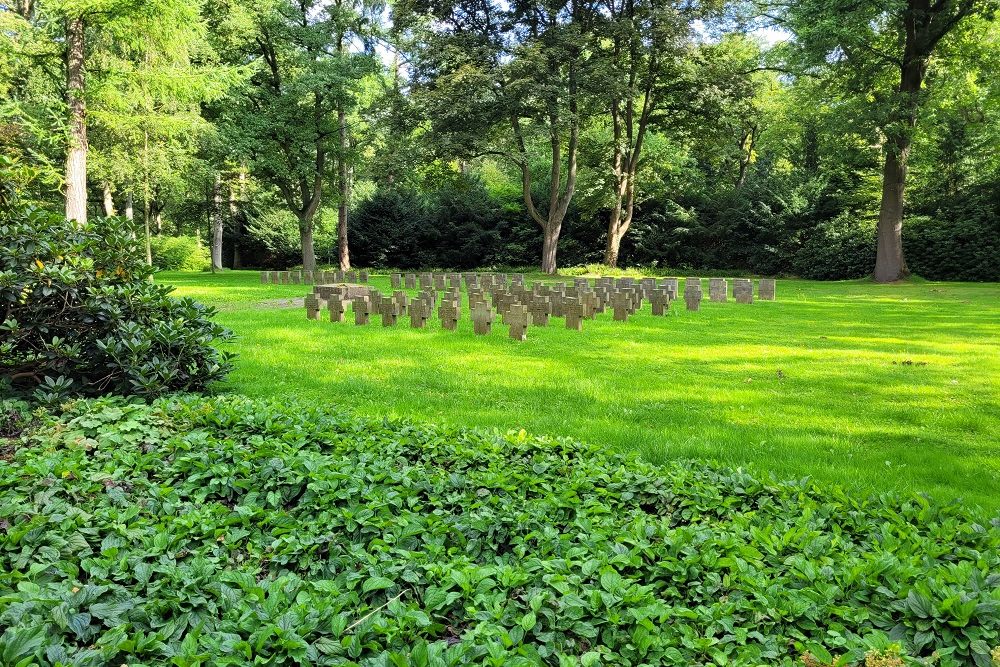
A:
306, 235
236, 215
890, 264
550, 244
216, 217
76, 153
149, 245
344, 187
109, 201
129, 207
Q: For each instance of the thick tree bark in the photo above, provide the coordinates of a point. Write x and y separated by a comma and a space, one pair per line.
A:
306, 236
344, 188
890, 264
76, 153
129, 206
109, 201
216, 216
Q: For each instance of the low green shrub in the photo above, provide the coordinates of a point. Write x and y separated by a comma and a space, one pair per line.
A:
179, 253
840, 249
966, 248
82, 317
228, 531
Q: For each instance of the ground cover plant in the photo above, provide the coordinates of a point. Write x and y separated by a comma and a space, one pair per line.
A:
873, 387
233, 531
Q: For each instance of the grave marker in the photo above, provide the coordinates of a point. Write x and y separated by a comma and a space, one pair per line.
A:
540, 309
449, 312
336, 306
718, 289
362, 309
419, 310
482, 318
312, 306
389, 310
743, 290
519, 319
660, 301
765, 289
574, 310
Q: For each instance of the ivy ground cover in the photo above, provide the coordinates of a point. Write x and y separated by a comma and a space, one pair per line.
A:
233, 531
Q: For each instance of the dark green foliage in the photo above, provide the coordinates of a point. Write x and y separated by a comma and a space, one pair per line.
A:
179, 253
961, 243
841, 248
80, 315
233, 532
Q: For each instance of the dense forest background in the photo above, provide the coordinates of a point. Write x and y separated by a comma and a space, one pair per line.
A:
745, 136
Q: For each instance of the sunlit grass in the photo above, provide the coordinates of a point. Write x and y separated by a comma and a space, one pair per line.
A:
844, 407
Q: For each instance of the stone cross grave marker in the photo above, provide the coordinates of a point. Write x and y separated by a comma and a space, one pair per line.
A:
574, 313
401, 300
419, 310
660, 301
692, 293
540, 309
621, 301
482, 318
336, 306
312, 306
765, 289
519, 319
449, 312
362, 309
389, 310
718, 289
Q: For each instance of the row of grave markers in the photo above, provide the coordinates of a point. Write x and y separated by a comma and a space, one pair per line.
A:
519, 307
312, 277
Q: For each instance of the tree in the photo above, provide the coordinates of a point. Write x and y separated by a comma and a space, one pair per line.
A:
506, 79
285, 122
649, 64
881, 49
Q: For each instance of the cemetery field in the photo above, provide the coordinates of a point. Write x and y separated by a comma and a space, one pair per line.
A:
875, 387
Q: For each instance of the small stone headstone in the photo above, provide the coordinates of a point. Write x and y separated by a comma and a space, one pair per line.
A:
396, 280
692, 293
362, 309
660, 301
363, 276
263, 277
482, 318
540, 309
426, 281
574, 312
389, 310
336, 306
419, 310
765, 289
518, 318
621, 301
743, 290
449, 312
411, 281
718, 289
312, 306
401, 300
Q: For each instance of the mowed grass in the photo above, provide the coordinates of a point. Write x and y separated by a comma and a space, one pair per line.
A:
876, 387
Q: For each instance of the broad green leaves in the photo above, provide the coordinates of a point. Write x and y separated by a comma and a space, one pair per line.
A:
226, 531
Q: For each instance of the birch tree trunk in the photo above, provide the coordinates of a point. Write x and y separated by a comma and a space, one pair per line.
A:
76, 153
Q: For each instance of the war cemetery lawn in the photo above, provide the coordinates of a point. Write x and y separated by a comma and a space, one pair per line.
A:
874, 387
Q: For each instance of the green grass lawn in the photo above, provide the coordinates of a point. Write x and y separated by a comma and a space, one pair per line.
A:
817, 383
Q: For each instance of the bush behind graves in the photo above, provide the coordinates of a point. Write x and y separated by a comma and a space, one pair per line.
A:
179, 253
229, 531
81, 316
